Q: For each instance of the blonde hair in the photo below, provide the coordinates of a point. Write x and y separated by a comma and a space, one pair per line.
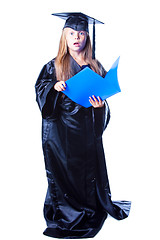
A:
62, 61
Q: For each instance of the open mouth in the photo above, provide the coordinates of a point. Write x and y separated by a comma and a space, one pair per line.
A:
77, 44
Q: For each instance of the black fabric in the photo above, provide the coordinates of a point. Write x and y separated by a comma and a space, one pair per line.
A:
77, 20
77, 23
78, 197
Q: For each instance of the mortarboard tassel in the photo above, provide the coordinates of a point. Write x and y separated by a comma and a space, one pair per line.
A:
93, 42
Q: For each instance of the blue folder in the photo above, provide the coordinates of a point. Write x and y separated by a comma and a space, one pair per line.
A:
87, 83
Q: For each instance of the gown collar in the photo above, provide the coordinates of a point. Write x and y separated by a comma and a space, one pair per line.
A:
76, 67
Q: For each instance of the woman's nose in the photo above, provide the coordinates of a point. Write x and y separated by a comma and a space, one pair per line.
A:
77, 36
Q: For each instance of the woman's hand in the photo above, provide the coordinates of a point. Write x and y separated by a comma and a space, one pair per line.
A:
96, 102
60, 86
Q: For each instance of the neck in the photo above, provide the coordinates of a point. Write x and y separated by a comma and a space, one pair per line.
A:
78, 57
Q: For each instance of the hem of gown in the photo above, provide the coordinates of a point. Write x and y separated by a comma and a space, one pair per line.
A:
73, 234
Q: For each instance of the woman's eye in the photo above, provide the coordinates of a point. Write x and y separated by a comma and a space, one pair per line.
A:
71, 33
81, 33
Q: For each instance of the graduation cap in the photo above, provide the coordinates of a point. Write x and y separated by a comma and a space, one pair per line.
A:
79, 21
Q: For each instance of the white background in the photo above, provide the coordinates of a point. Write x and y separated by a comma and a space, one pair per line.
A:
29, 39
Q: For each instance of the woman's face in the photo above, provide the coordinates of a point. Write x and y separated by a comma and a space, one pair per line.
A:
76, 40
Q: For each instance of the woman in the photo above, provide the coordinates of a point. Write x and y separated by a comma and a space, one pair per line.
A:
78, 197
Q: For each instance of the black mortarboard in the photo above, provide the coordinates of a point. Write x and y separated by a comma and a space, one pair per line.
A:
79, 22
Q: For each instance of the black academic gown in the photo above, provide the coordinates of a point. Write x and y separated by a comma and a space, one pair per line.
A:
78, 197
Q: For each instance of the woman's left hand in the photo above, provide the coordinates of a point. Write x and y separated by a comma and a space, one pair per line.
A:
96, 102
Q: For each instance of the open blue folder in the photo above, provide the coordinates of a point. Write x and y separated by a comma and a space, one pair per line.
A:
87, 83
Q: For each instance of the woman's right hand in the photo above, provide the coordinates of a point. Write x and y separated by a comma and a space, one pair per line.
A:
60, 86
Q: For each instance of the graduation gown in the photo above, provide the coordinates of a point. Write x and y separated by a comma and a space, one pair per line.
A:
78, 198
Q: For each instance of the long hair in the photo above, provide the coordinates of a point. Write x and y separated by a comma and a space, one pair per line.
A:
62, 62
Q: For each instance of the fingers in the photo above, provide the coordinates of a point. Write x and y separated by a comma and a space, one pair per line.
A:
100, 100
64, 84
96, 101
60, 86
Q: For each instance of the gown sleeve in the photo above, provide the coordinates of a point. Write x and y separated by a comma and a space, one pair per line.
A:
101, 115
101, 119
46, 95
